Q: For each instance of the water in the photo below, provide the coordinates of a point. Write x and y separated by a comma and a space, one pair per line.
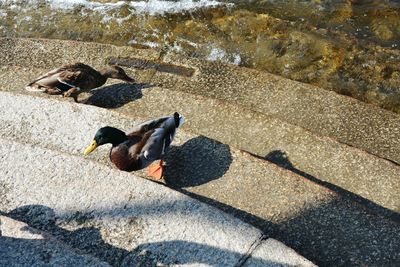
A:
349, 46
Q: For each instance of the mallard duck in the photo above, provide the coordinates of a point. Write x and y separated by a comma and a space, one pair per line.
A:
146, 143
73, 79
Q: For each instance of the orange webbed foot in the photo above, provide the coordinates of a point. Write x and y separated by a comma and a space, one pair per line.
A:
156, 170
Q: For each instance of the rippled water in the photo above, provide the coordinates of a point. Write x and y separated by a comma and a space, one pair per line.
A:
349, 46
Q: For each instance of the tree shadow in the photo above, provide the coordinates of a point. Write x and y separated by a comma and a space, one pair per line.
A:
116, 95
154, 254
198, 161
281, 159
339, 233
41, 252
335, 233
43, 218
88, 240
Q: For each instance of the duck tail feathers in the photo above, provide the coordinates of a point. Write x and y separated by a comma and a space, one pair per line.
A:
179, 119
31, 88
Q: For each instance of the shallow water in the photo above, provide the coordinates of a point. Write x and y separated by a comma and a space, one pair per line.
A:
349, 46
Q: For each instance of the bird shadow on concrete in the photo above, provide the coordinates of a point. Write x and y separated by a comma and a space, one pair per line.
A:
88, 240
196, 162
281, 159
116, 95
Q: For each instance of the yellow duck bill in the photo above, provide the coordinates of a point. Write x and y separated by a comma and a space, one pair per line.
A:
90, 148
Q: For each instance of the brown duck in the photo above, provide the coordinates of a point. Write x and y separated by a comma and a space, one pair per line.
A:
146, 143
73, 79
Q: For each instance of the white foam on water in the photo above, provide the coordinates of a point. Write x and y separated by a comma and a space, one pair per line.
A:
216, 53
147, 43
151, 7
187, 41
237, 59
96, 6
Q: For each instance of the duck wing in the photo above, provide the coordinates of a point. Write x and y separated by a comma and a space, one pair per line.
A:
47, 80
155, 145
72, 75
169, 123
141, 129
80, 75
157, 136
153, 140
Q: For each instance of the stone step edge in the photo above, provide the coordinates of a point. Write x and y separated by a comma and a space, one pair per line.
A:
368, 199
350, 104
223, 103
244, 153
259, 245
242, 107
357, 199
260, 160
160, 59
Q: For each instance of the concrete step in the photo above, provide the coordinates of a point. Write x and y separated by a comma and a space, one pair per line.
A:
321, 224
122, 219
347, 170
321, 112
369, 179
22, 245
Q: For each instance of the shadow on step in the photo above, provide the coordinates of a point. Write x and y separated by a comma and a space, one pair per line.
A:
116, 95
43, 218
148, 254
281, 159
39, 252
336, 233
198, 161
88, 240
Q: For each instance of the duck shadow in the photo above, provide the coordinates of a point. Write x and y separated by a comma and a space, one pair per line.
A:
198, 161
116, 95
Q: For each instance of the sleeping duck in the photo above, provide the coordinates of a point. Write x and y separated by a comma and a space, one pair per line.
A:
73, 79
146, 143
